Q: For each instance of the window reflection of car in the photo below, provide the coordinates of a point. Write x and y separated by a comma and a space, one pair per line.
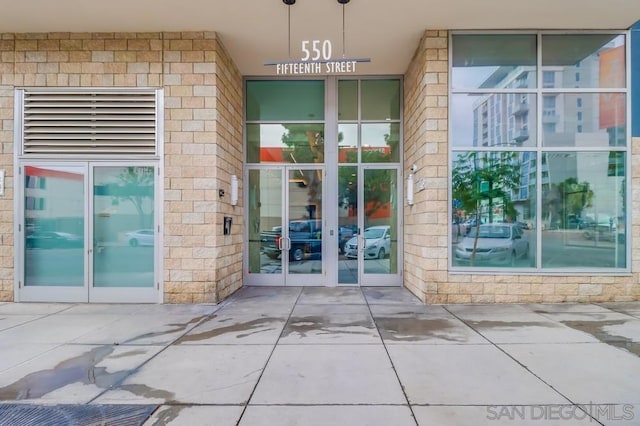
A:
53, 239
305, 240
345, 233
140, 237
498, 243
377, 242
602, 227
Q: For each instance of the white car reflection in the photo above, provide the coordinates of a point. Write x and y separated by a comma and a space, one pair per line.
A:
140, 237
498, 243
377, 242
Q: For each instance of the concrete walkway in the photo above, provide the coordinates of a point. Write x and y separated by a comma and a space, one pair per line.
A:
320, 356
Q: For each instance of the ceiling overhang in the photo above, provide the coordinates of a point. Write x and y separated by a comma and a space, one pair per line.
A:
257, 31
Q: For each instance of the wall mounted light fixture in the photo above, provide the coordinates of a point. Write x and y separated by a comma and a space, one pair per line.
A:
410, 189
234, 190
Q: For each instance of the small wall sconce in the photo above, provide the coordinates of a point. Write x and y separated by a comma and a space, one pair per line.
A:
410, 189
234, 190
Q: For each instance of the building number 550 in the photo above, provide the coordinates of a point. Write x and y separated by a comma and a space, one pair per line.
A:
325, 53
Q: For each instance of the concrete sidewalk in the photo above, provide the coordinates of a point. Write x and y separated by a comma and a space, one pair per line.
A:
320, 356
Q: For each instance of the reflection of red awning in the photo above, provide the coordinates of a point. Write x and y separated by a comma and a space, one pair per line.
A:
271, 155
383, 211
40, 172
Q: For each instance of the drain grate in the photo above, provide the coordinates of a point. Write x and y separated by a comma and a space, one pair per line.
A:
74, 415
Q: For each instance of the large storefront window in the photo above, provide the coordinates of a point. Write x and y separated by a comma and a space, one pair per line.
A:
539, 151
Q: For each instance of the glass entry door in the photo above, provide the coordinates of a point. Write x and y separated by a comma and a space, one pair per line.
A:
369, 226
285, 226
89, 233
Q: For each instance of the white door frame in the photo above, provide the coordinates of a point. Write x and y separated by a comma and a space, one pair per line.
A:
87, 292
285, 277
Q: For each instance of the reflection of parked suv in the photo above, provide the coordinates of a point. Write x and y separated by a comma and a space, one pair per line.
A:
305, 236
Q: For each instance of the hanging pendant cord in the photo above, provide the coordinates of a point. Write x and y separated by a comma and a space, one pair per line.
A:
289, 32
344, 47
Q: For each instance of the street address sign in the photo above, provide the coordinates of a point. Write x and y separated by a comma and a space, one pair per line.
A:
316, 58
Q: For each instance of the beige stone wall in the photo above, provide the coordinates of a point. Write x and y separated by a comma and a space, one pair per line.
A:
202, 146
7, 55
425, 145
426, 239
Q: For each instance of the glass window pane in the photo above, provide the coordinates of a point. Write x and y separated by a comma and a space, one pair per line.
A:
380, 143
494, 204
265, 219
124, 227
499, 119
380, 99
347, 100
348, 225
583, 210
285, 143
348, 143
380, 222
285, 100
584, 60
305, 221
54, 226
599, 120
493, 61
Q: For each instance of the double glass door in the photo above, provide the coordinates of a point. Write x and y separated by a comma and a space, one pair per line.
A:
368, 225
286, 227
88, 232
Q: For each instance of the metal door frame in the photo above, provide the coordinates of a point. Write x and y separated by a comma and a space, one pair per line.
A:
372, 279
285, 277
87, 292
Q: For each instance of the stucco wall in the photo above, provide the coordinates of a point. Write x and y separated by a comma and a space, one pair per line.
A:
427, 221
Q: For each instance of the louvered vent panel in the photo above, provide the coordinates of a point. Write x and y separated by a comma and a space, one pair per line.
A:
108, 123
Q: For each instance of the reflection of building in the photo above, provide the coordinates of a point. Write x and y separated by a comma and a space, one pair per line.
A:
51, 199
203, 111
569, 119
505, 119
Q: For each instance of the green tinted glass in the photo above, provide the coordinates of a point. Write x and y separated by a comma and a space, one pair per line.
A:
348, 100
285, 100
380, 99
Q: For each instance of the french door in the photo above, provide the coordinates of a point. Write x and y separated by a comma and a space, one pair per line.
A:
286, 226
88, 232
369, 223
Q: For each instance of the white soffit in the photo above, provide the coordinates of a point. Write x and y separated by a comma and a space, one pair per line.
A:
256, 31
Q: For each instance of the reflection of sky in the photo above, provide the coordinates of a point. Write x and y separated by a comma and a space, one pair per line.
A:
471, 77
462, 105
462, 119
77, 170
271, 135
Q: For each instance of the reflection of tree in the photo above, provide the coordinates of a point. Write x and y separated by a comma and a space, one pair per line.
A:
347, 182
383, 154
136, 185
377, 188
305, 142
485, 178
566, 198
